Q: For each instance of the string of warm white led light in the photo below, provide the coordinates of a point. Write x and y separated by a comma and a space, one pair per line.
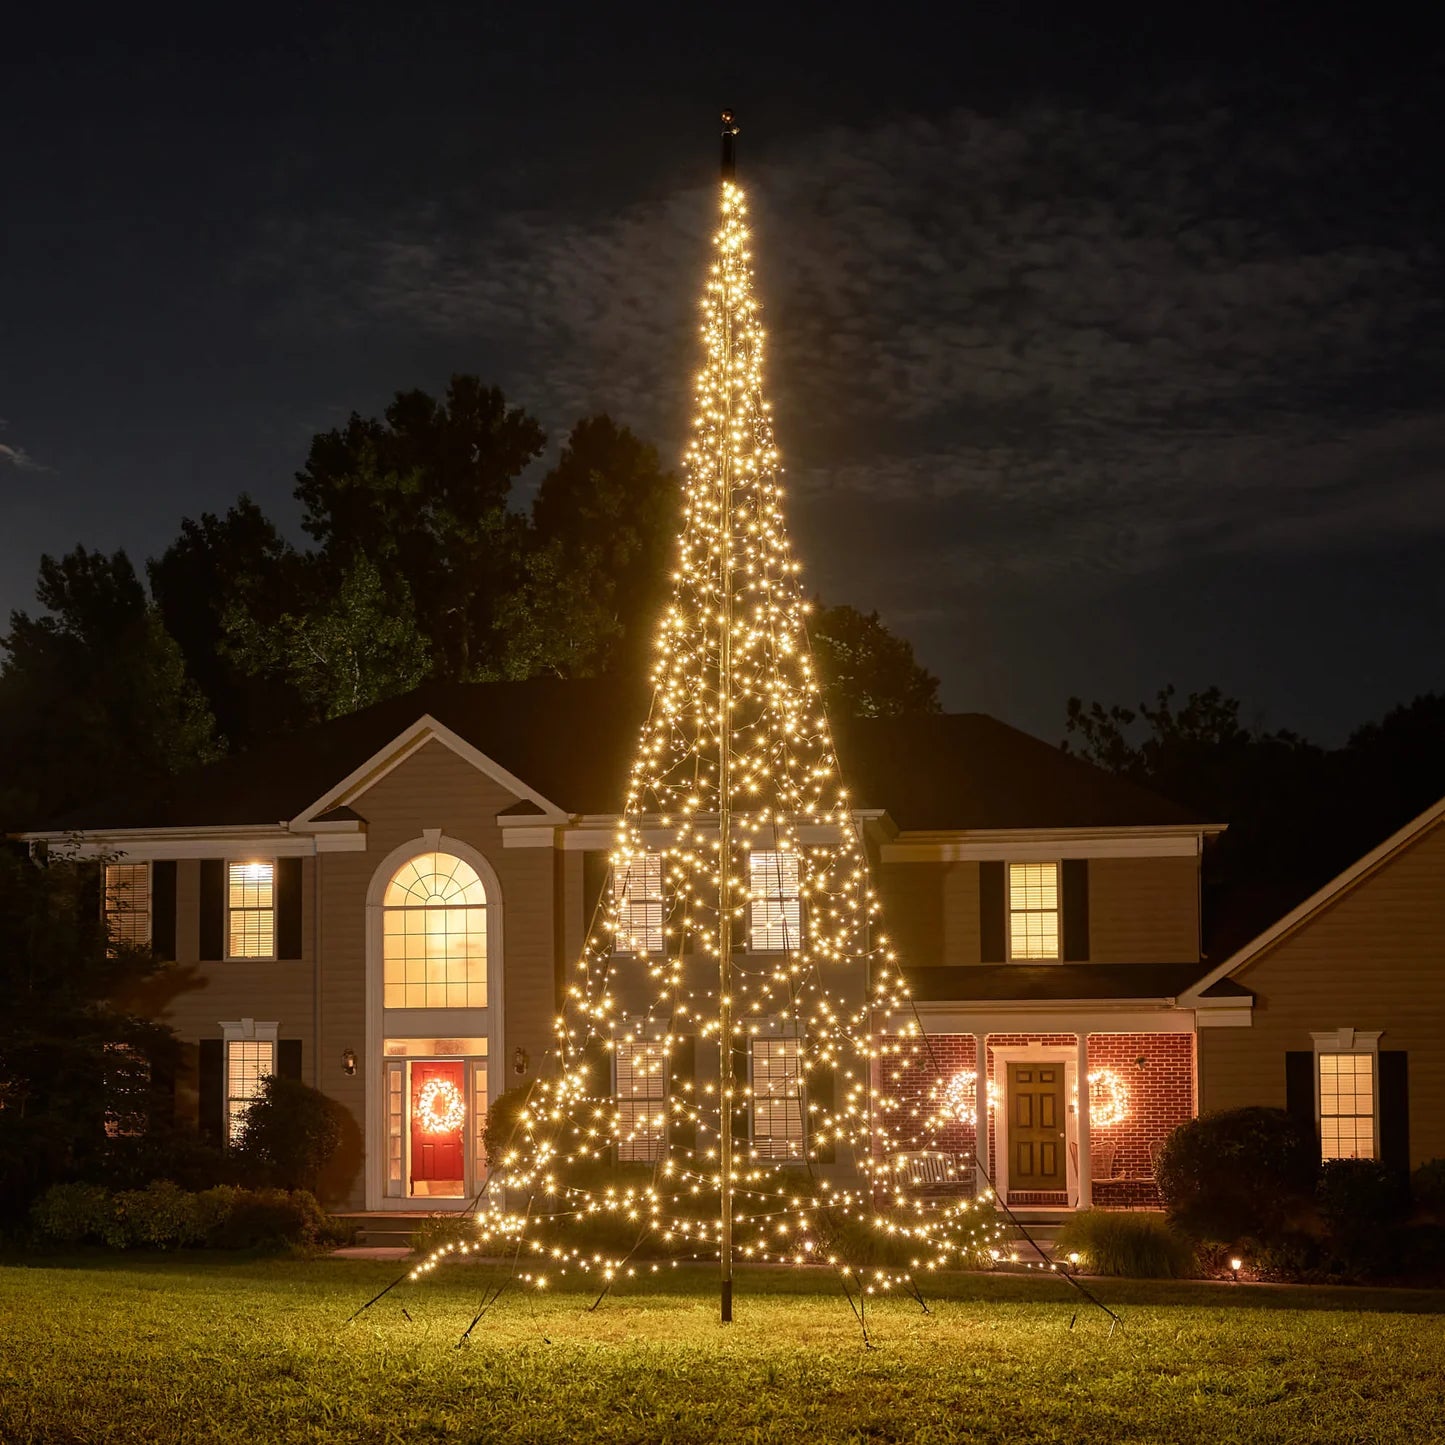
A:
736, 976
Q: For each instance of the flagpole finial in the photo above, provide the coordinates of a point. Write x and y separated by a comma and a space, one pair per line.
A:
730, 130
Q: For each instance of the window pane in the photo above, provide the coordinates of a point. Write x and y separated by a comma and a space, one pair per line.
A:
248, 1061
641, 1101
434, 935
128, 903
1034, 910
776, 915
250, 910
777, 1100
637, 889
1347, 1106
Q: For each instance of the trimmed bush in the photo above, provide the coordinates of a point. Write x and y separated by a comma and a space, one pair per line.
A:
1363, 1205
1427, 1188
161, 1216
1121, 1242
291, 1131
1243, 1172
502, 1115
72, 1213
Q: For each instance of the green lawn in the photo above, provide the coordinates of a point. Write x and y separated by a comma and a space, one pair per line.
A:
157, 1350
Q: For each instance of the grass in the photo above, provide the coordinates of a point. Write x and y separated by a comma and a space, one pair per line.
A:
160, 1349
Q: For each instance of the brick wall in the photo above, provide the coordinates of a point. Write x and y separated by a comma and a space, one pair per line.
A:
1157, 1070
917, 1088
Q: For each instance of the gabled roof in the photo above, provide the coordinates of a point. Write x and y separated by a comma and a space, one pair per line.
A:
1321, 899
571, 743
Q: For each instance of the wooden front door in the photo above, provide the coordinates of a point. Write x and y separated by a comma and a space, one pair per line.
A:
1037, 1157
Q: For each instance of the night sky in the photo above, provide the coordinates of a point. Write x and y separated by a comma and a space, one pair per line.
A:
1105, 352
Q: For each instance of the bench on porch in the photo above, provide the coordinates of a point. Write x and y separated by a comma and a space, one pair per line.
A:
935, 1171
1102, 1157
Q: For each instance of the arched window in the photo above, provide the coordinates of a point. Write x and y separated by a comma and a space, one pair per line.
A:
434, 935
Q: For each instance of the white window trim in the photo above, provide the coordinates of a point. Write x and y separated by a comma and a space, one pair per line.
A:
624, 903
1349, 1041
1008, 908
275, 954
786, 898
107, 911
776, 1035
243, 1031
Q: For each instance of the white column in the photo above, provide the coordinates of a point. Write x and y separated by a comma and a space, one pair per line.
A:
980, 1112
1081, 1120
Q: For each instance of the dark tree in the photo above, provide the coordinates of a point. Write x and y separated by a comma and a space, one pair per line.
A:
94, 697
596, 571
423, 493
215, 566
866, 670
71, 1059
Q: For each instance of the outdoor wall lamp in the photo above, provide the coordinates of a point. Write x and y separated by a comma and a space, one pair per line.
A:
348, 1061
520, 1061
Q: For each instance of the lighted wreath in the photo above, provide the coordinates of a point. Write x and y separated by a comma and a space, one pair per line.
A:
960, 1097
439, 1108
1108, 1099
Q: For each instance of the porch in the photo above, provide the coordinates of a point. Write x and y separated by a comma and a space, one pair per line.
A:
1045, 1146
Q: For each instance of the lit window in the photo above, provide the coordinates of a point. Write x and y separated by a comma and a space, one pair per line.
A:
128, 904
777, 1100
641, 1092
1347, 1106
127, 1082
637, 888
434, 935
1033, 910
777, 913
248, 1061
251, 910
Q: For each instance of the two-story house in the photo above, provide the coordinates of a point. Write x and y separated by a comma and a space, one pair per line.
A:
388, 905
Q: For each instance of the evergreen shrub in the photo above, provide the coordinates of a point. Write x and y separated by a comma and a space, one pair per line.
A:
1239, 1173
291, 1131
1427, 1188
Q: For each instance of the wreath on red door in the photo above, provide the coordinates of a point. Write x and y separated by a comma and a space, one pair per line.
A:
439, 1107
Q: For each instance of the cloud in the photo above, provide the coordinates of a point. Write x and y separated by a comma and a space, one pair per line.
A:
1061, 343
19, 458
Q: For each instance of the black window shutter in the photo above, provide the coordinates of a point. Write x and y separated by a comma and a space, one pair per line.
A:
682, 1132
163, 908
597, 1061
991, 913
163, 1082
1299, 1087
1395, 1109
594, 880
742, 1090
288, 1058
820, 1096
213, 908
288, 908
1074, 888
211, 1087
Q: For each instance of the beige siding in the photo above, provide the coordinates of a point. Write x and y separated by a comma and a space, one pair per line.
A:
930, 912
1143, 910
434, 788
1373, 959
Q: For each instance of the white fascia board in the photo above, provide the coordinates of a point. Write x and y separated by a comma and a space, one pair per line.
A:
424, 730
1049, 1016
272, 841
1235, 1013
1043, 844
1356, 873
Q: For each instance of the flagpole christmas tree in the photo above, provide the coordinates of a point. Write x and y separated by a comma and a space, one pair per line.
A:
737, 1018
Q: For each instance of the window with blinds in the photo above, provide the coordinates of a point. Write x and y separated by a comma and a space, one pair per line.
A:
637, 889
777, 1099
1347, 1106
640, 1071
776, 913
128, 904
1033, 910
248, 1061
251, 910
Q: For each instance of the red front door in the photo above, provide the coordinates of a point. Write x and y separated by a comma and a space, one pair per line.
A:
438, 1128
